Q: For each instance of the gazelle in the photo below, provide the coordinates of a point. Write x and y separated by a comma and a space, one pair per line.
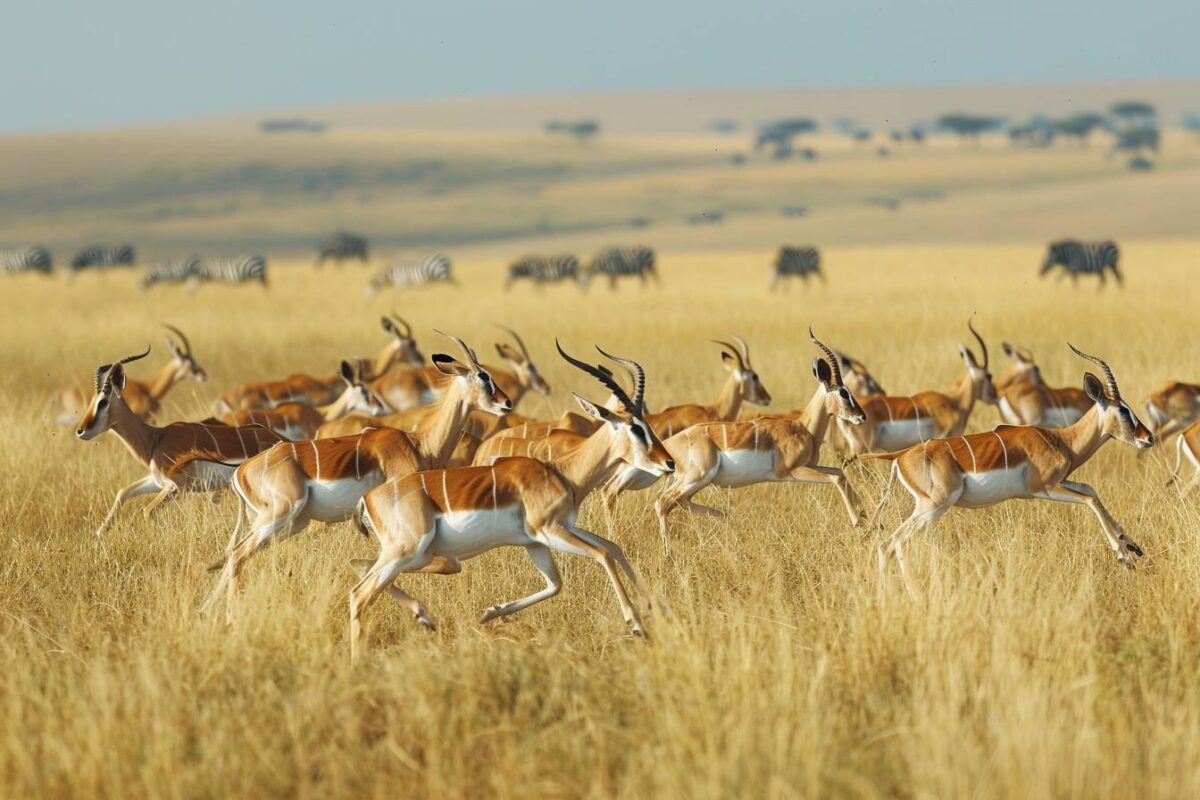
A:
171, 454
288, 486
401, 350
894, 423
1172, 407
862, 384
407, 389
781, 449
1024, 368
1016, 462
297, 421
1188, 443
432, 521
144, 398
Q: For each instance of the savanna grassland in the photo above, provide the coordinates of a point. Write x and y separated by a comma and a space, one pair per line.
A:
1027, 664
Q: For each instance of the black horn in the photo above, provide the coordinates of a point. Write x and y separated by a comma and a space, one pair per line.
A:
639, 379
830, 356
1102, 364
599, 373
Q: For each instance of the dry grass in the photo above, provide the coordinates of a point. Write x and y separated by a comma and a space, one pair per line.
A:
1029, 664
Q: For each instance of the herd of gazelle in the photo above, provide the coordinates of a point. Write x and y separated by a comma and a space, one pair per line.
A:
434, 464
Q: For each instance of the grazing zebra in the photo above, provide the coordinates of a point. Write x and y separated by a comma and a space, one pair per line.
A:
342, 246
98, 255
616, 262
796, 261
241, 269
546, 269
189, 270
1083, 258
27, 259
423, 271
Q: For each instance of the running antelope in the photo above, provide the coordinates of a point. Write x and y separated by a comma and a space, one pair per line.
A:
894, 423
432, 521
1015, 462
778, 448
288, 486
298, 421
188, 456
743, 384
862, 384
410, 388
1023, 398
1172, 407
144, 398
401, 350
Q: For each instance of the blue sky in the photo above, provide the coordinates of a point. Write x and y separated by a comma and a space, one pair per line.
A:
98, 63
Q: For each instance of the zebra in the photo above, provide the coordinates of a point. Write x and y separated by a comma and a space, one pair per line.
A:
98, 255
240, 269
342, 246
434, 268
189, 271
546, 269
1083, 258
796, 261
27, 259
616, 262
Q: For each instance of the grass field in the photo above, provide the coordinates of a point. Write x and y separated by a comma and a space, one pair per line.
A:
1028, 664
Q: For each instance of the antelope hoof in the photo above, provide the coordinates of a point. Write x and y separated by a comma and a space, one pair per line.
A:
425, 621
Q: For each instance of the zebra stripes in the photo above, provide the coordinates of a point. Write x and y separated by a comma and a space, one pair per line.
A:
186, 271
1083, 258
796, 262
99, 256
240, 269
545, 269
27, 259
342, 246
618, 262
423, 271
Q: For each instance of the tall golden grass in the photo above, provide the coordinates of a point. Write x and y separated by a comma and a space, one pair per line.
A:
1028, 663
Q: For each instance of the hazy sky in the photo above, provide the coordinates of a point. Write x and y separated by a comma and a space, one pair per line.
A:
111, 61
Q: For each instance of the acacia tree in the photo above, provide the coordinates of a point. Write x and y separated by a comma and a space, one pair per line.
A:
969, 127
1081, 126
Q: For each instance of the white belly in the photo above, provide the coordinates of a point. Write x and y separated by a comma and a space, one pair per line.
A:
994, 486
335, 500
463, 534
1060, 417
890, 436
632, 479
744, 467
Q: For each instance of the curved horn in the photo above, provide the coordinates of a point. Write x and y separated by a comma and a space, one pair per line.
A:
104, 371
407, 333
982, 345
733, 351
187, 346
520, 341
830, 356
745, 348
1102, 364
639, 379
470, 354
601, 374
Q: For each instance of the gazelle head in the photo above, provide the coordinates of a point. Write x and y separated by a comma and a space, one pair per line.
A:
482, 393
1117, 419
403, 348
526, 371
737, 361
839, 400
636, 442
108, 382
977, 372
182, 358
858, 379
1023, 367
358, 397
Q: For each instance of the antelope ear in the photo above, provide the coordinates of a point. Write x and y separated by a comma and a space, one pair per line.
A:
447, 365
118, 377
593, 410
822, 372
967, 355
1095, 390
388, 325
170, 345
1008, 349
508, 354
729, 360
348, 372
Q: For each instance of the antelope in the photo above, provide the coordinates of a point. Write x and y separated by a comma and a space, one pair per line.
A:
1172, 407
407, 389
743, 384
433, 521
144, 398
311, 390
779, 448
1025, 399
188, 456
1189, 443
1023, 369
289, 485
1015, 462
862, 384
894, 423
298, 421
